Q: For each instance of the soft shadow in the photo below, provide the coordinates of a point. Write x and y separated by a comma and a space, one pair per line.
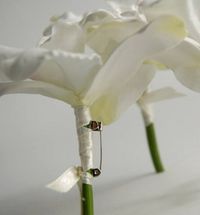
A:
46, 202
119, 183
176, 199
41, 202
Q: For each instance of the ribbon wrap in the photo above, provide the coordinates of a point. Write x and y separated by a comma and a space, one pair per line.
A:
85, 141
146, 109
73, 175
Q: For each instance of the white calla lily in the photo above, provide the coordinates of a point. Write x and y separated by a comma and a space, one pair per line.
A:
184, 58
84, 78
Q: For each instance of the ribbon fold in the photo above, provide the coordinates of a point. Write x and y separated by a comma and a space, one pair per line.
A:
67, 180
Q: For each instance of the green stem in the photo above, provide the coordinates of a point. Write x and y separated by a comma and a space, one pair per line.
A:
87, 199
153, 147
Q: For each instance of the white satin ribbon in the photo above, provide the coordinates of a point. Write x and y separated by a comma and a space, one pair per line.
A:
72, 176
68, 180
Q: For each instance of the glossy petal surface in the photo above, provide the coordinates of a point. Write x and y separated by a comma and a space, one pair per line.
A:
184, 60
121, 69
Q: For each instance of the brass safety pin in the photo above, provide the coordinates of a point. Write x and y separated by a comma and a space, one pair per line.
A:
97, 126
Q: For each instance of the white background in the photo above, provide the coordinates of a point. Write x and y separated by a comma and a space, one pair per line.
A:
38, 140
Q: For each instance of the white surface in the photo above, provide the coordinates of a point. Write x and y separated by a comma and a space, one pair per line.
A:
38, 141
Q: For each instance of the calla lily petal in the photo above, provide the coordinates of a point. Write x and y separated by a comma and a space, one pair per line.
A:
65, 34
161, 94
115, 101
113, 87
160, 35
105, 31
128, 82
7, 52
128, 9
7, 55
184, 60
107, 37
95, 19
41, 88
123, 5
69, 70
16, 64
188, 10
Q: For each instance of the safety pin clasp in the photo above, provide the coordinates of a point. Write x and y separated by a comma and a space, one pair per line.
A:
95, 172
94, 126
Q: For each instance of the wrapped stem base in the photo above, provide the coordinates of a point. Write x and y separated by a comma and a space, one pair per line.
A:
86, 155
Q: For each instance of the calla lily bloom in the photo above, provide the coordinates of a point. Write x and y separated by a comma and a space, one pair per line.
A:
82, 79
104, 31
183, 59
